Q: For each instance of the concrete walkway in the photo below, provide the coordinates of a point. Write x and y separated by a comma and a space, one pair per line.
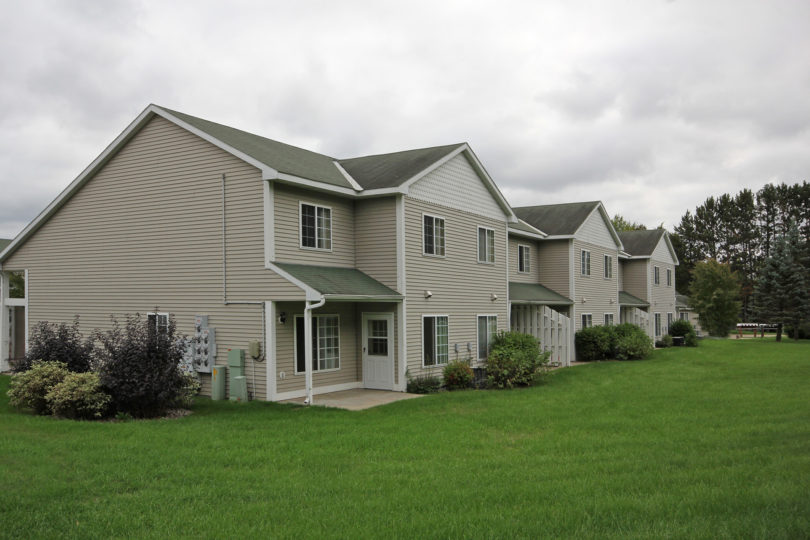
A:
356, 400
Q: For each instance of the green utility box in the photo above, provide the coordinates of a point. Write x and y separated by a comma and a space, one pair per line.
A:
218, 377
239, 389
236, 369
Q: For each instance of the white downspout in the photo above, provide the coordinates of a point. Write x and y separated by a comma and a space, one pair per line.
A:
308, 345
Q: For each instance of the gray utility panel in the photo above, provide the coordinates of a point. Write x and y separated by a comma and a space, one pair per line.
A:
204, 344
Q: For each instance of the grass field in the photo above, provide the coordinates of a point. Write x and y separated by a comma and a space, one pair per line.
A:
711, 442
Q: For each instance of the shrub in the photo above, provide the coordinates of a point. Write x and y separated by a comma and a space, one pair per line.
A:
636, 346
139, 366
690, 339
78, 396
666, 340
457, 375
57, 343
30, 388
514, 360
191, 387
595, 343
680, 327
423, 384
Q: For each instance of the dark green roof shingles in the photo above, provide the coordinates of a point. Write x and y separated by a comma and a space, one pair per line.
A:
627, 299
4, 243
557, 219
392, 170
641, 243
535, 293
336, 281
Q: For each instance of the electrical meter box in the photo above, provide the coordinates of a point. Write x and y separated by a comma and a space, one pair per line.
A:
254, 349
204, 345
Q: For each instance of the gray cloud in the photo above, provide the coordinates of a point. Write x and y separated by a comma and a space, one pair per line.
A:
651, 107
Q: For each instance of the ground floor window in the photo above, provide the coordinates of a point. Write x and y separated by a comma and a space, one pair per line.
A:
435, 343
608, 319
325, 343
657, 325
587, 320
670, 318
160, 321
684, 316
487, 328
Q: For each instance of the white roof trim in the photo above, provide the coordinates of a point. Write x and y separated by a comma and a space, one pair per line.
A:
606, 219
314, 184
559, 237
311, 294
671, 248
348, 177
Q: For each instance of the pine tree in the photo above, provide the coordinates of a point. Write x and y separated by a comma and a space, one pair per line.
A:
781, 295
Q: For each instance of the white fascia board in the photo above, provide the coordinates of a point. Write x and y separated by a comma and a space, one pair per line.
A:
671, 248
348, 177
638, 257
559, 237
311, 294
382, 192
313, 184
268, 172
526, 234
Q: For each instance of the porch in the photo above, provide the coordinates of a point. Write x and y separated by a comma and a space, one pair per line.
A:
545, 314
634, 310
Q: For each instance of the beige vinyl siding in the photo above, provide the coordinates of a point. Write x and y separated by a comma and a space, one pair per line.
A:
662, 298
595, 231
533, 276
594, 294
554, 265
287, 225
376, 239
146, 232
634, 278
460, 285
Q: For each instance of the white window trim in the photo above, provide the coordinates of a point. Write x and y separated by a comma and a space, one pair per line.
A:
478, 244
477, 357
582, 263
612, 319
608, 266
435, 335
434, 216
158, 315
657, 276
669, 277
301, 230
582, 322
295, 344
528, 259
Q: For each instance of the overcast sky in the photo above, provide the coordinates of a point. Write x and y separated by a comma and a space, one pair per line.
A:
650, 106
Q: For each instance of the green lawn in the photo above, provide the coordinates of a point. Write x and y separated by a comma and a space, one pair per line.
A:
696, 443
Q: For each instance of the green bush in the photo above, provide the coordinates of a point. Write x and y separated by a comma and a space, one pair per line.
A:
632, 343
30, 388
189, 390
423, 384
514, 360
666, 341
680, 327
457, 375
78, 396
595, 343
690, 339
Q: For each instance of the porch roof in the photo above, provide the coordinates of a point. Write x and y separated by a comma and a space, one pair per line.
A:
339, 283
534, 293
627, 299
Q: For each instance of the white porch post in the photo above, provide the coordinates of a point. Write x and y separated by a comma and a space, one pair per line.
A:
4, 329
308, 352
270, 348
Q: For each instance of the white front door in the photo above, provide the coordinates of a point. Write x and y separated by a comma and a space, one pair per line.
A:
378, 350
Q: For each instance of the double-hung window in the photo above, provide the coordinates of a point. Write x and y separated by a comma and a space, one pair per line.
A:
325, 343
684, 316
159, 321
524, 259
669, 277
435, 343
608, 266
657, 275
585, 262
657, 325
487, 328
587, 320
486, 245
608, 319
316, 227
433, 235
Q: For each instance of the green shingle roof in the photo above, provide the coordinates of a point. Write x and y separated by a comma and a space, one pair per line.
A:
282, 157
3, 243
392, 170
335, 281
522, 226
557, 219
535, 293
627, 299
681, 301
641, 243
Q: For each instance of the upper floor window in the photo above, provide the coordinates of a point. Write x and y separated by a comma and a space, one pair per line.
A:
433, 235
657, 275
669, 277
524, 259
316, 227
159, 321
585, 262
608, 266
486, 245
